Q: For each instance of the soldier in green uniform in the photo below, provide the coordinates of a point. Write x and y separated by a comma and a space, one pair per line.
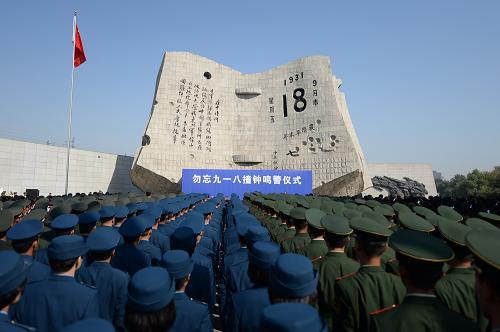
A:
317, 249
334, 265
286, 230
6, 220
421, 258
371, 288
456, 288
301, 238
485, 246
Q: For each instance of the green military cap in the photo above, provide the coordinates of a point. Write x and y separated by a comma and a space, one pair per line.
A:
313, 217
364, 208
35, 214
336, 224
315, 203
7, 204
360, 201
285, 208
16, 210
420, 246
489, 216
423, 211
42, 203
57, 200
58, 210
351, 205
111, 202
400, 207
476, 223
453, 231
378, 218
372, 203
338, 207
449, 213
435, 219
326, 206
303, 202
22, 203
79, 207
6, 220
384, 209
122, 201
369, 226
94, 206
352, 213
298, 213
414, 222
485, 245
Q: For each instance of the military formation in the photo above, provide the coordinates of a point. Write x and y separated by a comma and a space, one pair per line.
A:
274, 262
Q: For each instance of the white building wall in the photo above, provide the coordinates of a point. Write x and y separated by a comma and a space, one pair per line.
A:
25, 165
418, 172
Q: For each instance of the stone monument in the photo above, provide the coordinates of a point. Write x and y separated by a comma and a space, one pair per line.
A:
206, 115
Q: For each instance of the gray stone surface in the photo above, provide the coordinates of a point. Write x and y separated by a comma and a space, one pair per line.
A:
290, 117
25, 165
403, 188
421, 173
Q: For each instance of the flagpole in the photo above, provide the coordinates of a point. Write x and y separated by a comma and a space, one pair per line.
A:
70, 107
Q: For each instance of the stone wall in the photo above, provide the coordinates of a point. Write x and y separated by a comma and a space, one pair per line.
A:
25, 165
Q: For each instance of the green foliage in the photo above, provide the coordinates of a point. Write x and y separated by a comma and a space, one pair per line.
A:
476, 184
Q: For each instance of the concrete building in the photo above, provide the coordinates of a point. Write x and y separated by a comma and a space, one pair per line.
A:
206, 115
25, 165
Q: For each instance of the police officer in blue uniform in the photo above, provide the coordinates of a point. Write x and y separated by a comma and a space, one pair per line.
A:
202, 285
144, 241
150, 305
24, 239
12, 279
157, 239
87, 223
110, 283
190, 315
246, 306
51, 304
127, 257
63, 224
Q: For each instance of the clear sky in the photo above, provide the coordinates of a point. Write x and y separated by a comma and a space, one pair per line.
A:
422, 78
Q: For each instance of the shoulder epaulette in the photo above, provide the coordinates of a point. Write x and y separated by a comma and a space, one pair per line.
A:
317, 259
379, 311
87, 285
346, 276
26, 327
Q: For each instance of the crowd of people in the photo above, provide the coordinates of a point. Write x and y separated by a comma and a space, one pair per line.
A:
274, 262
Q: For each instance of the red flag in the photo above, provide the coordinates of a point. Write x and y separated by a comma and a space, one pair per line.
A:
79, 53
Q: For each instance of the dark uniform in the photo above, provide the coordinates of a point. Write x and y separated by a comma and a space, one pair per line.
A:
190, 315
12, 275
245, 308
29, 230
421, 311
127, 257
334, 266
51, 304
6, 220
110, 283
456, 288
369, 290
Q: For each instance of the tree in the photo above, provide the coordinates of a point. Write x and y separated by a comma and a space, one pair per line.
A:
483, 184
